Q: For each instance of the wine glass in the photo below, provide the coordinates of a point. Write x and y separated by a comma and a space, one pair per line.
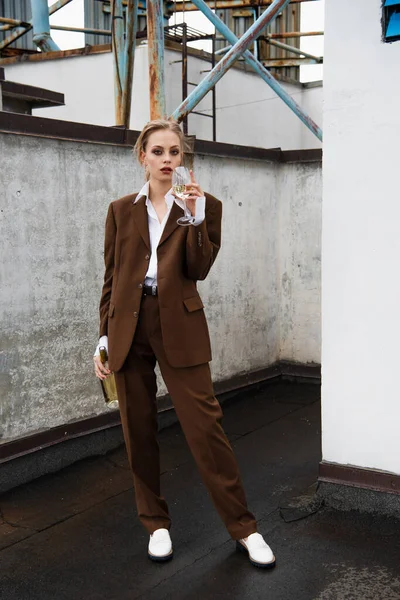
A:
180, 179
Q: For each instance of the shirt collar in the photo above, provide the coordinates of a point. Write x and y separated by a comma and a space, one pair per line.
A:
144, 192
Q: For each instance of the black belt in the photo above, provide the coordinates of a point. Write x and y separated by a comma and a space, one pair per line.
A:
150, 290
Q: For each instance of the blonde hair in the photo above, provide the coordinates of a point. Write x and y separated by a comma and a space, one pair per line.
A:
153, 126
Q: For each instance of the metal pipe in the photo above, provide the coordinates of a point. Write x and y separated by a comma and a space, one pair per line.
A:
292, 49
260, 69
141, 5
239, 47
223, 4
28, 26
81, 30
294, 34
14, 36
214, 94
277, 63
223, 50
57, 5
184, 72
155, 37
10, 21
255, 16
41, 26
128, 61
117, 26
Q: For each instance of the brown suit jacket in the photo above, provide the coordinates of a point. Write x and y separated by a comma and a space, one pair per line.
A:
185, 255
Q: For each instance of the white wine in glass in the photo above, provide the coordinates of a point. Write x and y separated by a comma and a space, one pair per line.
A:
179, 190
180, 179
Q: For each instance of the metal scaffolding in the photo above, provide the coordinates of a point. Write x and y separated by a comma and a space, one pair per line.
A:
124, 33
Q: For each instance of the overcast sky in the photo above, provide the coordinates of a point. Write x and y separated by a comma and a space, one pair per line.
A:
312, 20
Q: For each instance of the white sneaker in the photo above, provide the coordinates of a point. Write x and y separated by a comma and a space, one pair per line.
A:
260, 554
160, 546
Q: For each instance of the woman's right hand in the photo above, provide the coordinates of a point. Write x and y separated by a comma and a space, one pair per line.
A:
101, 370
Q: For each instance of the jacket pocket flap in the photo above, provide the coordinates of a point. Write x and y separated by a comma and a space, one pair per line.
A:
193, 303
111, 310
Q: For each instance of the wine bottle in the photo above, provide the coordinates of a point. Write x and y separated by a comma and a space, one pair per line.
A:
108, 384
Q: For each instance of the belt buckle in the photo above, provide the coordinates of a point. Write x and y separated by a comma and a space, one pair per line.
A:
154, 290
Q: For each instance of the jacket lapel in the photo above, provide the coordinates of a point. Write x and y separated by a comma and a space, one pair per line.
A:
171, 223
139, 212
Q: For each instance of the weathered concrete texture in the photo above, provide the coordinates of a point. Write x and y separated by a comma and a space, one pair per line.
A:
241, 290
346, 498
300, 262
53, 205
74, 534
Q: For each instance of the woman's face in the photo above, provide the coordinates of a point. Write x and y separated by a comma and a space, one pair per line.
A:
163, 153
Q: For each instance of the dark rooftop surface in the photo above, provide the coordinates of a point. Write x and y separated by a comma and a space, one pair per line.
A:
74, 534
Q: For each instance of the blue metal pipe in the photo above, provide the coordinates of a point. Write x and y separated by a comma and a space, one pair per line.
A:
239, 47
318, 59
57, 5
223, 50
123, 46
41, 26
20, 31
256, 66
255, 15
260, 69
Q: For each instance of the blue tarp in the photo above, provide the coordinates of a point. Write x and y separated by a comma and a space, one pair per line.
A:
393, 28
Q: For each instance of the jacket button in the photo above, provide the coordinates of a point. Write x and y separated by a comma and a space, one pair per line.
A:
147, 257
140, 285
135, 314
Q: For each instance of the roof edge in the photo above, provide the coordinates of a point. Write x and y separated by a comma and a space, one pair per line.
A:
21, 124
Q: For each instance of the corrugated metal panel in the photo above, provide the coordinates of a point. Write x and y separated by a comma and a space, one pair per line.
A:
98, 16
17, 9
288, 20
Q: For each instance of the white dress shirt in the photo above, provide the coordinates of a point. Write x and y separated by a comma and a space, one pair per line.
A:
155, 232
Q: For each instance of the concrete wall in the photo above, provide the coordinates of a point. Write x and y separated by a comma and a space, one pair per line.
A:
248, 111
53, 205
361, 240
300, 262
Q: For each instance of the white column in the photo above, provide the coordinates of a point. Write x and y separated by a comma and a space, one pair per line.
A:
360, 240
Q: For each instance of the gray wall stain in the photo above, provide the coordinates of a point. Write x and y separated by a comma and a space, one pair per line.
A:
299, 256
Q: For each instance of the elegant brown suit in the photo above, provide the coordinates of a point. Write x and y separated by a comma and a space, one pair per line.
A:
185, 255
170, 329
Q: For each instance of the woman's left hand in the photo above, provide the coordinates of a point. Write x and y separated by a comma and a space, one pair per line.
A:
194, 191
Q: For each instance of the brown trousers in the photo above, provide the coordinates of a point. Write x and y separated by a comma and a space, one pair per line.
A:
199, 414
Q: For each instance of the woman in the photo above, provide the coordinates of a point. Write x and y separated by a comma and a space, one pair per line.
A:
150, 311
